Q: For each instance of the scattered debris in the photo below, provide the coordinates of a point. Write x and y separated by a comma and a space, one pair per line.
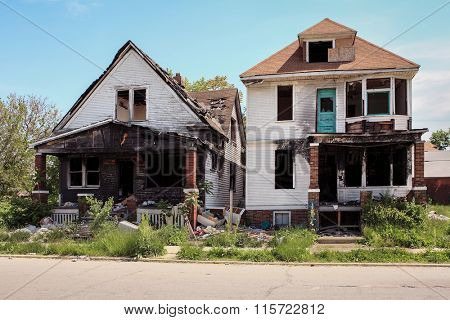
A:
337, 232
433, 215
127, 226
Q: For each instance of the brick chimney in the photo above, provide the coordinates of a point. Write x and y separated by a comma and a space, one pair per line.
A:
179, 79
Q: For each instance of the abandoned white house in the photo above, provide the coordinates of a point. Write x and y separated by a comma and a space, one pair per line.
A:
329, 121
135, 130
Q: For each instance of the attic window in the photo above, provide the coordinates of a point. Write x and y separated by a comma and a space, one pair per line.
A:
140, 105
123, 105
318, 51
131, 105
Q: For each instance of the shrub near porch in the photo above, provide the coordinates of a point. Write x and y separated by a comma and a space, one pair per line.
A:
394, 222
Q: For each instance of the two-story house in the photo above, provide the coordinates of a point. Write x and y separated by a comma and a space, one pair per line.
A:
329, 124
136, 131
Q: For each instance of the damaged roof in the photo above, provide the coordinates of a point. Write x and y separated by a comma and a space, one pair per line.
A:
368, 56
181, 93
219, 105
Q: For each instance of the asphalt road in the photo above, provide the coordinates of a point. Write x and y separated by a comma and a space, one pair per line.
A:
22, 278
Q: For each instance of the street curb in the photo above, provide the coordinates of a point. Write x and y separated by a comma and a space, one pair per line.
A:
231, 262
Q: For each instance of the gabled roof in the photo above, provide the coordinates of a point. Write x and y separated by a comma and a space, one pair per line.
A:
181, 93
326, 26
368, 56
219, 105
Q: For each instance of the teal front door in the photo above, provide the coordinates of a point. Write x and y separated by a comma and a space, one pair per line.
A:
326, 110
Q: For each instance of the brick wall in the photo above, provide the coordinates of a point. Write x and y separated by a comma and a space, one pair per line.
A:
256, 217
419, 180
314, 166
191, 168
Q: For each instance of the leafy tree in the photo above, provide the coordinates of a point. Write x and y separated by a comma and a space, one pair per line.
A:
23, 119
441, 139
202, 84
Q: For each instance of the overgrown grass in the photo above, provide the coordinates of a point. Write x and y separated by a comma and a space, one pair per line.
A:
292, 244
231, 239
443, 209
173, 236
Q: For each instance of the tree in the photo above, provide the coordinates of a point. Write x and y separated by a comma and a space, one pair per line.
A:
441, 139
23, 119
202, 84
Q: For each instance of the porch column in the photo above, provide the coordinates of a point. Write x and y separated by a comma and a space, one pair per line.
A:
313, 191
191, 178
419, 190
40, 192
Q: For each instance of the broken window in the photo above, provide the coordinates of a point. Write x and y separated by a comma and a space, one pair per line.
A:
92, 172
84, 172
123, 105
165, 169
318, 51
354, 99
139, 105
400, 164
284, 169
75, 172
401, 105
284, 103
233, 130
378, 166
281, 219
353, 168
233, 176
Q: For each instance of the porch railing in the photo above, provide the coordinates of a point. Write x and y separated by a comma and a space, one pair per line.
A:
157, 219
65, 216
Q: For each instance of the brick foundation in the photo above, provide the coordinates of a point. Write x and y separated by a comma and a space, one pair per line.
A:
420, 196
299, 217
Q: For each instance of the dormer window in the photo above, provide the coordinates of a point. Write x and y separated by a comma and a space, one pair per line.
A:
318, 50
131, 104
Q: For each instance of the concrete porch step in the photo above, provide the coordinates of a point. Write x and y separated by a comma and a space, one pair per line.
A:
338, 240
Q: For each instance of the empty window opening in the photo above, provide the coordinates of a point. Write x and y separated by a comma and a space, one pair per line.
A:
165, 169
401, 104
233, 130
123, 105
281, 219
285, 100
284, 169
340, 220
378, 166
139, 105
353, 168
84, 172
327, 175
400, 166
326, 104
233, 177
214, 161
318, 51
354, 99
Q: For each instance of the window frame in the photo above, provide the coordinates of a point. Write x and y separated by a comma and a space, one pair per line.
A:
282, 212
293, 170
293, 102
84, 173
131, 101
318, 40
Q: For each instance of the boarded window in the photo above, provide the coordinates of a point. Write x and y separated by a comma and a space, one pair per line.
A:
318, 51
284, 169
353, 168
140, 105
400, 165
165, 169
233, 130
92, 172
123, 105
378, 167
233, 176
354, 99
284, 103
282, 219
378, 103
401, 97
75, 172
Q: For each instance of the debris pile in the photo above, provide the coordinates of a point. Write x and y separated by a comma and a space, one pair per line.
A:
433, 215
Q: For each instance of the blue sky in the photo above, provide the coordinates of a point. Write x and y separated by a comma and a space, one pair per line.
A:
206, 38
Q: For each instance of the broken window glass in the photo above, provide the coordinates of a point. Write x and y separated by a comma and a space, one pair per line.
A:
284, 103
122, 108
401, 97
378, 103
140, 105
326, 105
378, 167
318, 51
354, 99
284, 169
400, 165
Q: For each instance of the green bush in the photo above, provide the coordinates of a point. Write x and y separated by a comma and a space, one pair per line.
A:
256, 255
99, 210
117, 243
173, 236
191, 252
148, 243
4, 234
292, 244
19, 236
17, 212
230, 239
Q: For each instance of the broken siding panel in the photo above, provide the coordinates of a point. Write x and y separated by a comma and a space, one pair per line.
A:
260, 190
165, 110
